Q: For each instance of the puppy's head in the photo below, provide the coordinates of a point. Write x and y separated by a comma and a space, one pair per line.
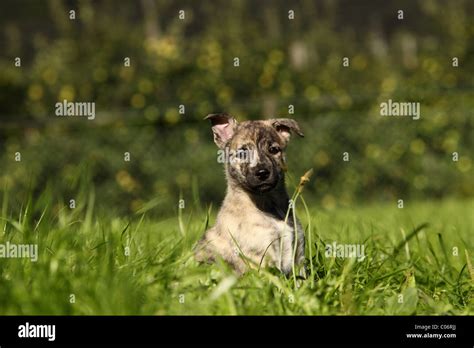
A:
254, 150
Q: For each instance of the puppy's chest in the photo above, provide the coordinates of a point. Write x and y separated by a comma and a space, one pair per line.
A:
259, 232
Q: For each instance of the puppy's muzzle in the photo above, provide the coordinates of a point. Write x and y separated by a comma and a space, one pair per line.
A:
262, 179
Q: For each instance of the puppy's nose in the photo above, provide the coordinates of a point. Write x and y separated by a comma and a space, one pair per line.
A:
262, 174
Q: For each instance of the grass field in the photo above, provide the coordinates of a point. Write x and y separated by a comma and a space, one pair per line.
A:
98, 265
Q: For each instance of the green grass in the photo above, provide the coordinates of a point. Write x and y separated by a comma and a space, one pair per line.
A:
84, 255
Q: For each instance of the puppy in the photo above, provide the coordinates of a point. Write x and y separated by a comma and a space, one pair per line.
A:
255, 225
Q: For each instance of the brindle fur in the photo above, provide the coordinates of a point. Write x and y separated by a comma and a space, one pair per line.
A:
250, 229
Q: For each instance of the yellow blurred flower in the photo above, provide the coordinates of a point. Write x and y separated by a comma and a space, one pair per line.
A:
417, 146
152, 113
276, 57
388, 85
224, 95
396, 150
431, 66
372, 150
450, 142
145, 86
35, 92
172, 116
183, 179
210, 58
67, 92
359, 62
125, 181
287, 89
329, 202
49, 76
137, 101
311, 93
344, 101
164, 47
464, 164
321, 158
126, 73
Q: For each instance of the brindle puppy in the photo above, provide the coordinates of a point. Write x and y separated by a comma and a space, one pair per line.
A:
250, 229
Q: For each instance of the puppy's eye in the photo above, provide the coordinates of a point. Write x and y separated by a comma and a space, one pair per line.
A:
274, 149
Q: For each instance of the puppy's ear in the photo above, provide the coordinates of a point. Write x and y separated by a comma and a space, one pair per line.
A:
223, 127
285, 126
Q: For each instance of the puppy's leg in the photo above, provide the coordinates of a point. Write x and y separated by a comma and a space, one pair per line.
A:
213, 245
204, 251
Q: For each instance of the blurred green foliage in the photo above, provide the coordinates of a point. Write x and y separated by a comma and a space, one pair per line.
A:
190, 62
